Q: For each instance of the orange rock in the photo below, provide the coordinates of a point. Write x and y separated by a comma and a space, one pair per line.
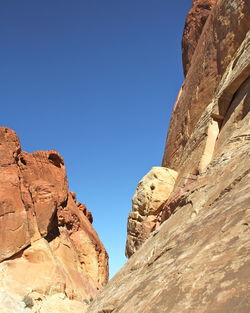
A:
216, 48
47, 242
82, 207
14, 227
195, 22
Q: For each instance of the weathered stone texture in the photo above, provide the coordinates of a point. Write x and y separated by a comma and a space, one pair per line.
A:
198, 260
195, 22
207, 110
150, 195
48, 245
222, 35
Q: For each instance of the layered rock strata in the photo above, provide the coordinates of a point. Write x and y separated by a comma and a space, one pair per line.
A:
48, 245
198, 260
145, 215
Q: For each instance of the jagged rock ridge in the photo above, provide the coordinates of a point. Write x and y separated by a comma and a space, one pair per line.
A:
50, 252
198, 260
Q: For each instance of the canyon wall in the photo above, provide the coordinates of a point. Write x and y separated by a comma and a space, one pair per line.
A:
195, 22
51, 257
195, 256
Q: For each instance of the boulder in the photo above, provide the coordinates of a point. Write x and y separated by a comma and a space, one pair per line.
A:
151, 193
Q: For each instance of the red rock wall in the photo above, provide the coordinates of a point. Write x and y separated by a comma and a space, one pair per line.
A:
42, 223
214, 31
216, 47
195, 22
198, 260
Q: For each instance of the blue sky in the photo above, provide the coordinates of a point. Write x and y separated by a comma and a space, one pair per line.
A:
95, 80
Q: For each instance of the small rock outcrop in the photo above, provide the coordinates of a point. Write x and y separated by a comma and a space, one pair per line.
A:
49, 249
198, 259
145, 216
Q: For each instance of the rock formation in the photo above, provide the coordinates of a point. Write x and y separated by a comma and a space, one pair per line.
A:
150, 195
198, 259
219, 41
195, 22
50, 254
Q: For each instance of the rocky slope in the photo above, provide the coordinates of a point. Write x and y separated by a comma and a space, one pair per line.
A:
51, 257
198, 259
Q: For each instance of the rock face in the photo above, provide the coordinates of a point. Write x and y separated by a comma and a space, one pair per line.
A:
218, 44
48, 245
195, 22
198, 259
151, 193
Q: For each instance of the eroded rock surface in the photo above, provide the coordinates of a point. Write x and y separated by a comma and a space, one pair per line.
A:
198, 260
151, 193
222, 35
48, 245
195, 22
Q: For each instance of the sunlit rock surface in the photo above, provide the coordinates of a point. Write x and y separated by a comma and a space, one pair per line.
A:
198, 260
195, 22
145, 216
48, 245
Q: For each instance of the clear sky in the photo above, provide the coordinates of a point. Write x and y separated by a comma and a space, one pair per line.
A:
95, 80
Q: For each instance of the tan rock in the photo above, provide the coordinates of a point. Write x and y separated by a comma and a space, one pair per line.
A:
198, 260
58, 303
152, 191
212, 135
38, 303
91, 253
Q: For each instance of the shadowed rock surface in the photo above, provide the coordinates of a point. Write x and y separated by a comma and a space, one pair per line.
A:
49, 249
198, 260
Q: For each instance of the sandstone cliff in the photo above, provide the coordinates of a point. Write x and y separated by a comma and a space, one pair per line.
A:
51, 257
195, 22
198, 259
